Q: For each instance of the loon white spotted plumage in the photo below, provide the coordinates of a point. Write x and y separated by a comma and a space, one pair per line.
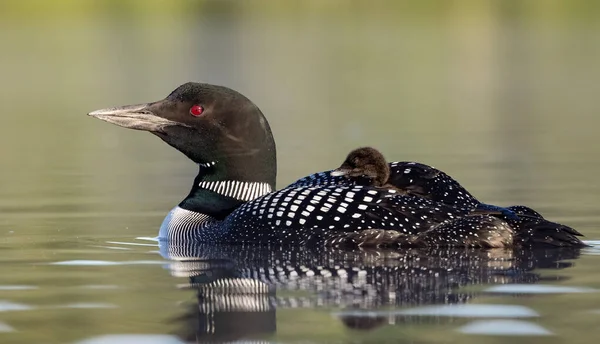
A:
302, 215
231, 200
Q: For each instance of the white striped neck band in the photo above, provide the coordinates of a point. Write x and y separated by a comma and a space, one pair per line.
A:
243, 191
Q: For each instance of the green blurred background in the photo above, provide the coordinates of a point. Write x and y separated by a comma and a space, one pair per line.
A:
502, 95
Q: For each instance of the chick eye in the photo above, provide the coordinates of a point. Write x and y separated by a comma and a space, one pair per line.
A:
196, 110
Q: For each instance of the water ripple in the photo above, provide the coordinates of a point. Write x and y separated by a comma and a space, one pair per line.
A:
6, 328
7, 306
537, 289
504, 328
132, 338
17, 287
463, 311
106, 262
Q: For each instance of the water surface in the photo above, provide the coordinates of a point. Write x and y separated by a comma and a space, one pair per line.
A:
501, 95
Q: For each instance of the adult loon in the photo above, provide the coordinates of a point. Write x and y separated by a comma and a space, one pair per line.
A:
233, 200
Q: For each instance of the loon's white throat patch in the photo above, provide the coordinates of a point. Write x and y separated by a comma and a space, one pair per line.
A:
243, 191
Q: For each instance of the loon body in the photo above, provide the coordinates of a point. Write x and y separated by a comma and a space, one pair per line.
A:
233, 198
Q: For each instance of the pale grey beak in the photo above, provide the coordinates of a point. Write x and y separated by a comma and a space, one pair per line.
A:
138, 117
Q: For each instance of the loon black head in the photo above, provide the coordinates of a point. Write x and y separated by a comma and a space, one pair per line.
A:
366, 166
216, 127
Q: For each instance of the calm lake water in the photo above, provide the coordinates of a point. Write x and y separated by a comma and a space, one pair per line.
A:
501, 95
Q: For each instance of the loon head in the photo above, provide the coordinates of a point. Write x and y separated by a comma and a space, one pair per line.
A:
216, 127
366, 166
220, 130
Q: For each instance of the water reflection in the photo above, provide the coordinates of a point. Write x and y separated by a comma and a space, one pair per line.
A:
239, 288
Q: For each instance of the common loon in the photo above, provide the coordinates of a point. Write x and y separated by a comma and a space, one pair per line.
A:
233, 200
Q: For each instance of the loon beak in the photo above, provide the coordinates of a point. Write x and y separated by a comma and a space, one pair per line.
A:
339, 172
138, 117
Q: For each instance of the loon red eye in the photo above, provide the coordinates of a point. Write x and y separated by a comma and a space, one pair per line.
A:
196, 110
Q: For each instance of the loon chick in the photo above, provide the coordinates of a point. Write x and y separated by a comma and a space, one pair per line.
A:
365, 166
233, 200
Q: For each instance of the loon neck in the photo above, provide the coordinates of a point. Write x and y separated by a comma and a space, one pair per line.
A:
217, 193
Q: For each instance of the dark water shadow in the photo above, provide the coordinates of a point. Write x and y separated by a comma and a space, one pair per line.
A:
239, 288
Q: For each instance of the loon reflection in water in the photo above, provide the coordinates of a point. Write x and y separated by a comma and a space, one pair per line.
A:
239, 288
233, 200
